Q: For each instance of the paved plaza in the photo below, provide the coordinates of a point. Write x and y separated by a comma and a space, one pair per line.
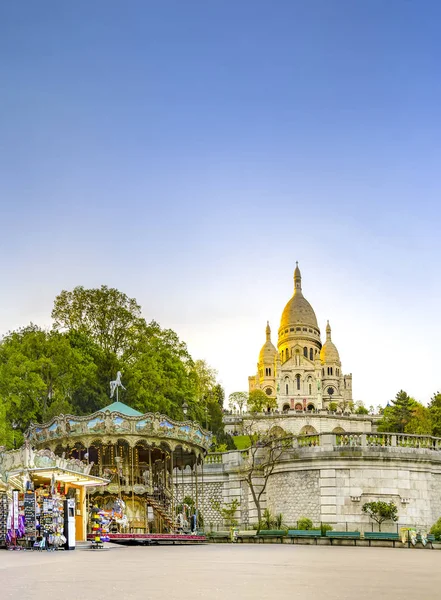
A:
221, 572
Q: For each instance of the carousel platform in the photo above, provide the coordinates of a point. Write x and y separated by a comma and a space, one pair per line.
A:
153, 538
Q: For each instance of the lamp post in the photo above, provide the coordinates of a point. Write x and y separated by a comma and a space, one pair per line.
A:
185, 408
14, 427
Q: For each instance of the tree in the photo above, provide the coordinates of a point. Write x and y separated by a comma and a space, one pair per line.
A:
435, 414
381, 511
360, 408
259, 401
227, 511
160, 375
109, 317
264, 452
420, 422
38, 369
238, 401
397, 415
219, 395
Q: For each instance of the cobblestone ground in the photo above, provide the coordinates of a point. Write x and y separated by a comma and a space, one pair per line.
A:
222, 571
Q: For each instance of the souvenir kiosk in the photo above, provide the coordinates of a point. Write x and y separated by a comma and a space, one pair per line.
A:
43, 499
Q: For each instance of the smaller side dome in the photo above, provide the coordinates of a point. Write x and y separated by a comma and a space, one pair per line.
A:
329, 352
268, 351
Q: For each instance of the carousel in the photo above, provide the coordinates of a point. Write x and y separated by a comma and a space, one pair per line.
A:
143, 457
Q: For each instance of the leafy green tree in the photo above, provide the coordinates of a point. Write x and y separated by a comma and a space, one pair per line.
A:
360, 408
398, 415
160, 376
381, 511
420, 422
219, 395
109, 317
435, 414
38, 369
238, 401
259, 401
436, 529
227, 511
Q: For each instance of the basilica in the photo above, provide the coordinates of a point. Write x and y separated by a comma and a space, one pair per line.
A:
301, 374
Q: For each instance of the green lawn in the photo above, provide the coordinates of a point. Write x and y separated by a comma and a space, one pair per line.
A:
241, 441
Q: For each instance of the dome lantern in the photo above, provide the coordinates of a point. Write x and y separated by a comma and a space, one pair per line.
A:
329, 353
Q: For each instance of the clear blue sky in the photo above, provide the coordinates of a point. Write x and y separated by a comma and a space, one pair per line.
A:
189, 152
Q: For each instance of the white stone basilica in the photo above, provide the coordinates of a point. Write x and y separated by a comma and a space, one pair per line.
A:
301, 373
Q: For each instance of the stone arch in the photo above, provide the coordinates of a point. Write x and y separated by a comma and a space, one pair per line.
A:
338, 430
308, 430
286, 407
299, 406
277, 431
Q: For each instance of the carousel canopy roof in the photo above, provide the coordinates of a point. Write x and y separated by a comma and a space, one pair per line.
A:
121, 408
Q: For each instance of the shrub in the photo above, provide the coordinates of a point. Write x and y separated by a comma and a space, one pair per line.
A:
304, 523
324, 527
333, 406
436, 529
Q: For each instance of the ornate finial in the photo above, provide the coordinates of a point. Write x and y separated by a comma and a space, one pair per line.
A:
328, 331
297, 279
268, 331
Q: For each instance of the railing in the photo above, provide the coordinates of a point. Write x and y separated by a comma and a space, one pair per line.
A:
213, 457
307, 441
348, 439
379, 439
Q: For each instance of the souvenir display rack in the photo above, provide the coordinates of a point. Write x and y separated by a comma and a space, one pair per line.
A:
4, 508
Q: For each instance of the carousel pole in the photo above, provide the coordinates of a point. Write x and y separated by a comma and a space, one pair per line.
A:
197, 498
150, 471
171, 490
132, 482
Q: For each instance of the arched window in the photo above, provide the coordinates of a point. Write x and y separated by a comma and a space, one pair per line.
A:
310, 389
331, 370
286, 388
311, 354
305, 352
298, 381
310, 407
323, 372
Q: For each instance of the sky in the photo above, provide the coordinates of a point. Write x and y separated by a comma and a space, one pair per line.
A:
189, 152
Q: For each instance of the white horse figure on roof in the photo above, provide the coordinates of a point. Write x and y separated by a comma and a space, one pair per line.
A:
114, 385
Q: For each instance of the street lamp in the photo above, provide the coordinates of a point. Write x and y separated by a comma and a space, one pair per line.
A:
185, 408
14, 427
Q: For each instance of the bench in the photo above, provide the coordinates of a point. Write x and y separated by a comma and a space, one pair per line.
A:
382, 535
266, 534
219, 535
245, 535
343, 535
304, 533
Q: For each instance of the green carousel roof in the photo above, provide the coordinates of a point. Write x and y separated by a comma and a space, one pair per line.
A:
121, 408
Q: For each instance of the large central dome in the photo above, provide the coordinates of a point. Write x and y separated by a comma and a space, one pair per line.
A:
298, 311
